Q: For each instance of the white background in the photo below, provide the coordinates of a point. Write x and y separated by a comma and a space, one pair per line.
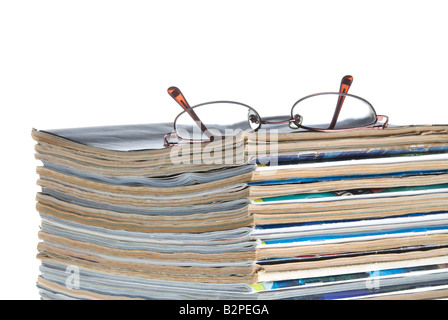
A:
88, 63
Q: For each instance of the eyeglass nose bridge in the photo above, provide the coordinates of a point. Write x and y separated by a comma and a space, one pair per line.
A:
293, 122
296, 121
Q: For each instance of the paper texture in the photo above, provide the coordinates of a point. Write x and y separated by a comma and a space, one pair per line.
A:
360, 214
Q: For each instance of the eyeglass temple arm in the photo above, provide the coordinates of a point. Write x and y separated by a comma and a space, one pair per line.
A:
346, 82
177, 95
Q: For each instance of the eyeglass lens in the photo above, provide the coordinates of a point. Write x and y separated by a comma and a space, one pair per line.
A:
312, 112
318, 112
221, 119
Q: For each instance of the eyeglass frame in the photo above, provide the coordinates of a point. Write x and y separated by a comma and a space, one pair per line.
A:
293, 122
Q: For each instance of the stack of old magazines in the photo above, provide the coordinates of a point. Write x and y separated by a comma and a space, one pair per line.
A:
359, 214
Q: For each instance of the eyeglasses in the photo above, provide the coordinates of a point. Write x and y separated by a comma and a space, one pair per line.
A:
316, 112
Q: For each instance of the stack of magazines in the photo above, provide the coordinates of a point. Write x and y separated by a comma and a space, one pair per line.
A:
359, 214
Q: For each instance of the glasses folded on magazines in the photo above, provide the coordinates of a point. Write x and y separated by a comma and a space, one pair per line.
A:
325, 111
